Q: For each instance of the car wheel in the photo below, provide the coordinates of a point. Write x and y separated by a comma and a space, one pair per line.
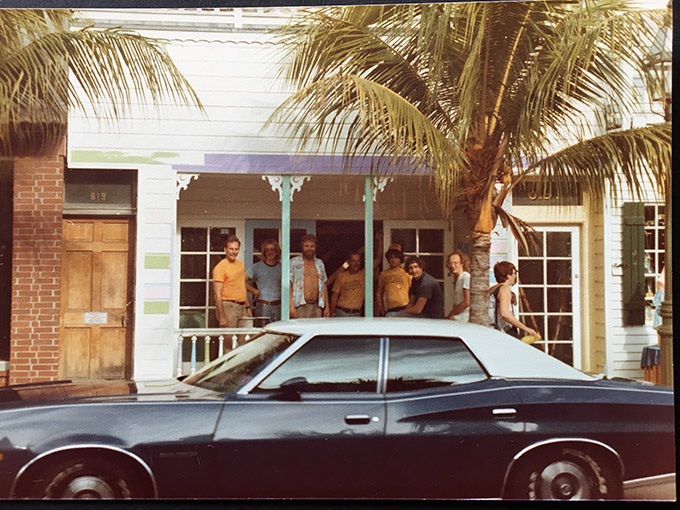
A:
569, 475
82, 479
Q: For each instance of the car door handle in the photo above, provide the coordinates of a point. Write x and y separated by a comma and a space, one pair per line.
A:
504, 412
359, 419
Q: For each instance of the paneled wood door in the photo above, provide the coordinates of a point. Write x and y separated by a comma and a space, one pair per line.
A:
96, 299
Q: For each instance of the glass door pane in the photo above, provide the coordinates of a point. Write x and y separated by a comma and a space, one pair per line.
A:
549, 294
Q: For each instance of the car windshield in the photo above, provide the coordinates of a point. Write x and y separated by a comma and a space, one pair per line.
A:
235, 368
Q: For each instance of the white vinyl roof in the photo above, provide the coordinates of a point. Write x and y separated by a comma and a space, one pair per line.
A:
501, 355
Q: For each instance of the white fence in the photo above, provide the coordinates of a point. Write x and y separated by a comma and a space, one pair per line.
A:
200, 343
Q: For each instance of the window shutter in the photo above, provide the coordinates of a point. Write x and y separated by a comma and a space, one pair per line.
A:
633, 264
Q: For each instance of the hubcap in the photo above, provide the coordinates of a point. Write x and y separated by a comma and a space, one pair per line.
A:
564, 480
88, 487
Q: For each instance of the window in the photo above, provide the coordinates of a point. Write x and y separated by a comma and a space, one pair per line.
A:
332, 364
235, 369
421, 363
426, 243
548, 291
260, 235
655, 249
201, 249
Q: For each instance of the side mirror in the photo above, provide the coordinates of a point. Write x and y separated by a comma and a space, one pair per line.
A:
290, 389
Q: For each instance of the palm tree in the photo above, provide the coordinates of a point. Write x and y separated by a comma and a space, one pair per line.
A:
109, 69
481, 94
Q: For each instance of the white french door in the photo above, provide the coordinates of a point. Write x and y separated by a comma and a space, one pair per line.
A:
550, 292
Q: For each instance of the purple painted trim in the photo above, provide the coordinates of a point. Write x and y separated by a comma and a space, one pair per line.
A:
289, 164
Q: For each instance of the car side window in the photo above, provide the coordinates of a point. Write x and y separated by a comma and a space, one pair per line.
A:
331, 364
421, 363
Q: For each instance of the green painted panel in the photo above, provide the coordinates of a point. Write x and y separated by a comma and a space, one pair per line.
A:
155, 158
633, 263
285, 247
368, 243
156, 307
157, 261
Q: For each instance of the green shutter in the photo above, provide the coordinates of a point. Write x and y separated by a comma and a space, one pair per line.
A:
633, 264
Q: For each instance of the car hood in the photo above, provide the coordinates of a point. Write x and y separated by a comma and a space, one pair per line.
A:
101, 390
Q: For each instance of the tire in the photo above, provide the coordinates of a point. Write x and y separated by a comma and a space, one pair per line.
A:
82, 478
568, 474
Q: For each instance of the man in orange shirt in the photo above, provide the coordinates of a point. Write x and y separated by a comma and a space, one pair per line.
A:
229, 285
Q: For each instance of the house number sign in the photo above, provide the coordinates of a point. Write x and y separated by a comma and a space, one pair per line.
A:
98, 196
96, 317
530, 194
99, 192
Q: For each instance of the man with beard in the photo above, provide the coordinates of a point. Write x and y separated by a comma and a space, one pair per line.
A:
308, 290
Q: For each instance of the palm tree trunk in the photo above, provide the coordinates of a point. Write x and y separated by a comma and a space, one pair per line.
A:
479, 277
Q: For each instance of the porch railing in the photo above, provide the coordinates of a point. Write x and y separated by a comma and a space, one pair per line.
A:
208, 340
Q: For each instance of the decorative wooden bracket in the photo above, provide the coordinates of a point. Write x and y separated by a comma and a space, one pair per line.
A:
296, 182
379, 184
183, 181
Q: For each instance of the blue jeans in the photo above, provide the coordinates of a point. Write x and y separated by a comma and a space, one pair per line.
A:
342, 313
267, 310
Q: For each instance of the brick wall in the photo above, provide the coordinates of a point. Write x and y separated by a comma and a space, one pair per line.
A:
36, 268
4, 374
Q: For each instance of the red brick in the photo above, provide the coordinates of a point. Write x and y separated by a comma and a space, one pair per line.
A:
38, 195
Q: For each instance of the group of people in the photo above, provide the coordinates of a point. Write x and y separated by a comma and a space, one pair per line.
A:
407, 291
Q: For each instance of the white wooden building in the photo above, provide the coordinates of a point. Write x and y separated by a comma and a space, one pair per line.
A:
179, 181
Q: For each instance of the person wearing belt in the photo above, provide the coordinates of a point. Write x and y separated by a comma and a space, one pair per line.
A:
347, 295
266, 274
308, 289
393, 283
229, 286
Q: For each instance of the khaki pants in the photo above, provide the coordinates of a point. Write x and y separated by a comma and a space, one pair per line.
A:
233, 312
308, 311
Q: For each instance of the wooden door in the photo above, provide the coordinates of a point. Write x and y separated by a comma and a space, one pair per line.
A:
96, 299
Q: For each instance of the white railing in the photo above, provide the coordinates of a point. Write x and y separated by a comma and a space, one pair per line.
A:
226, 338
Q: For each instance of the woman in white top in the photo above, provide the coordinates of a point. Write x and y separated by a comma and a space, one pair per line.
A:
459, 266
504, 300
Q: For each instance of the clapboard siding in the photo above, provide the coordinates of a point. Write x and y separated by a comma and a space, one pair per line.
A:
156, 212
625, 342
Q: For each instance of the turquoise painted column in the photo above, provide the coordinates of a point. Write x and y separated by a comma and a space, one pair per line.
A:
368, 246
285, 247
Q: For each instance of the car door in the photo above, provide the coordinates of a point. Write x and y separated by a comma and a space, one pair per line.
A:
312, 428
450, 428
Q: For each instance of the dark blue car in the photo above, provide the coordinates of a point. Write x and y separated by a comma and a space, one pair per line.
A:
344, 408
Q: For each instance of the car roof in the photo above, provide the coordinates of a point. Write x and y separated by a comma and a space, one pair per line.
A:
502, 355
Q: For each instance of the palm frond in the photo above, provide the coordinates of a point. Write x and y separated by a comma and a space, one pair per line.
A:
610, 162
505, 83
367, 119
108, 68
522, 231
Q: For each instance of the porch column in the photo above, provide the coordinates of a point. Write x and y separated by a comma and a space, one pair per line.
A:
368, 245
285, 247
